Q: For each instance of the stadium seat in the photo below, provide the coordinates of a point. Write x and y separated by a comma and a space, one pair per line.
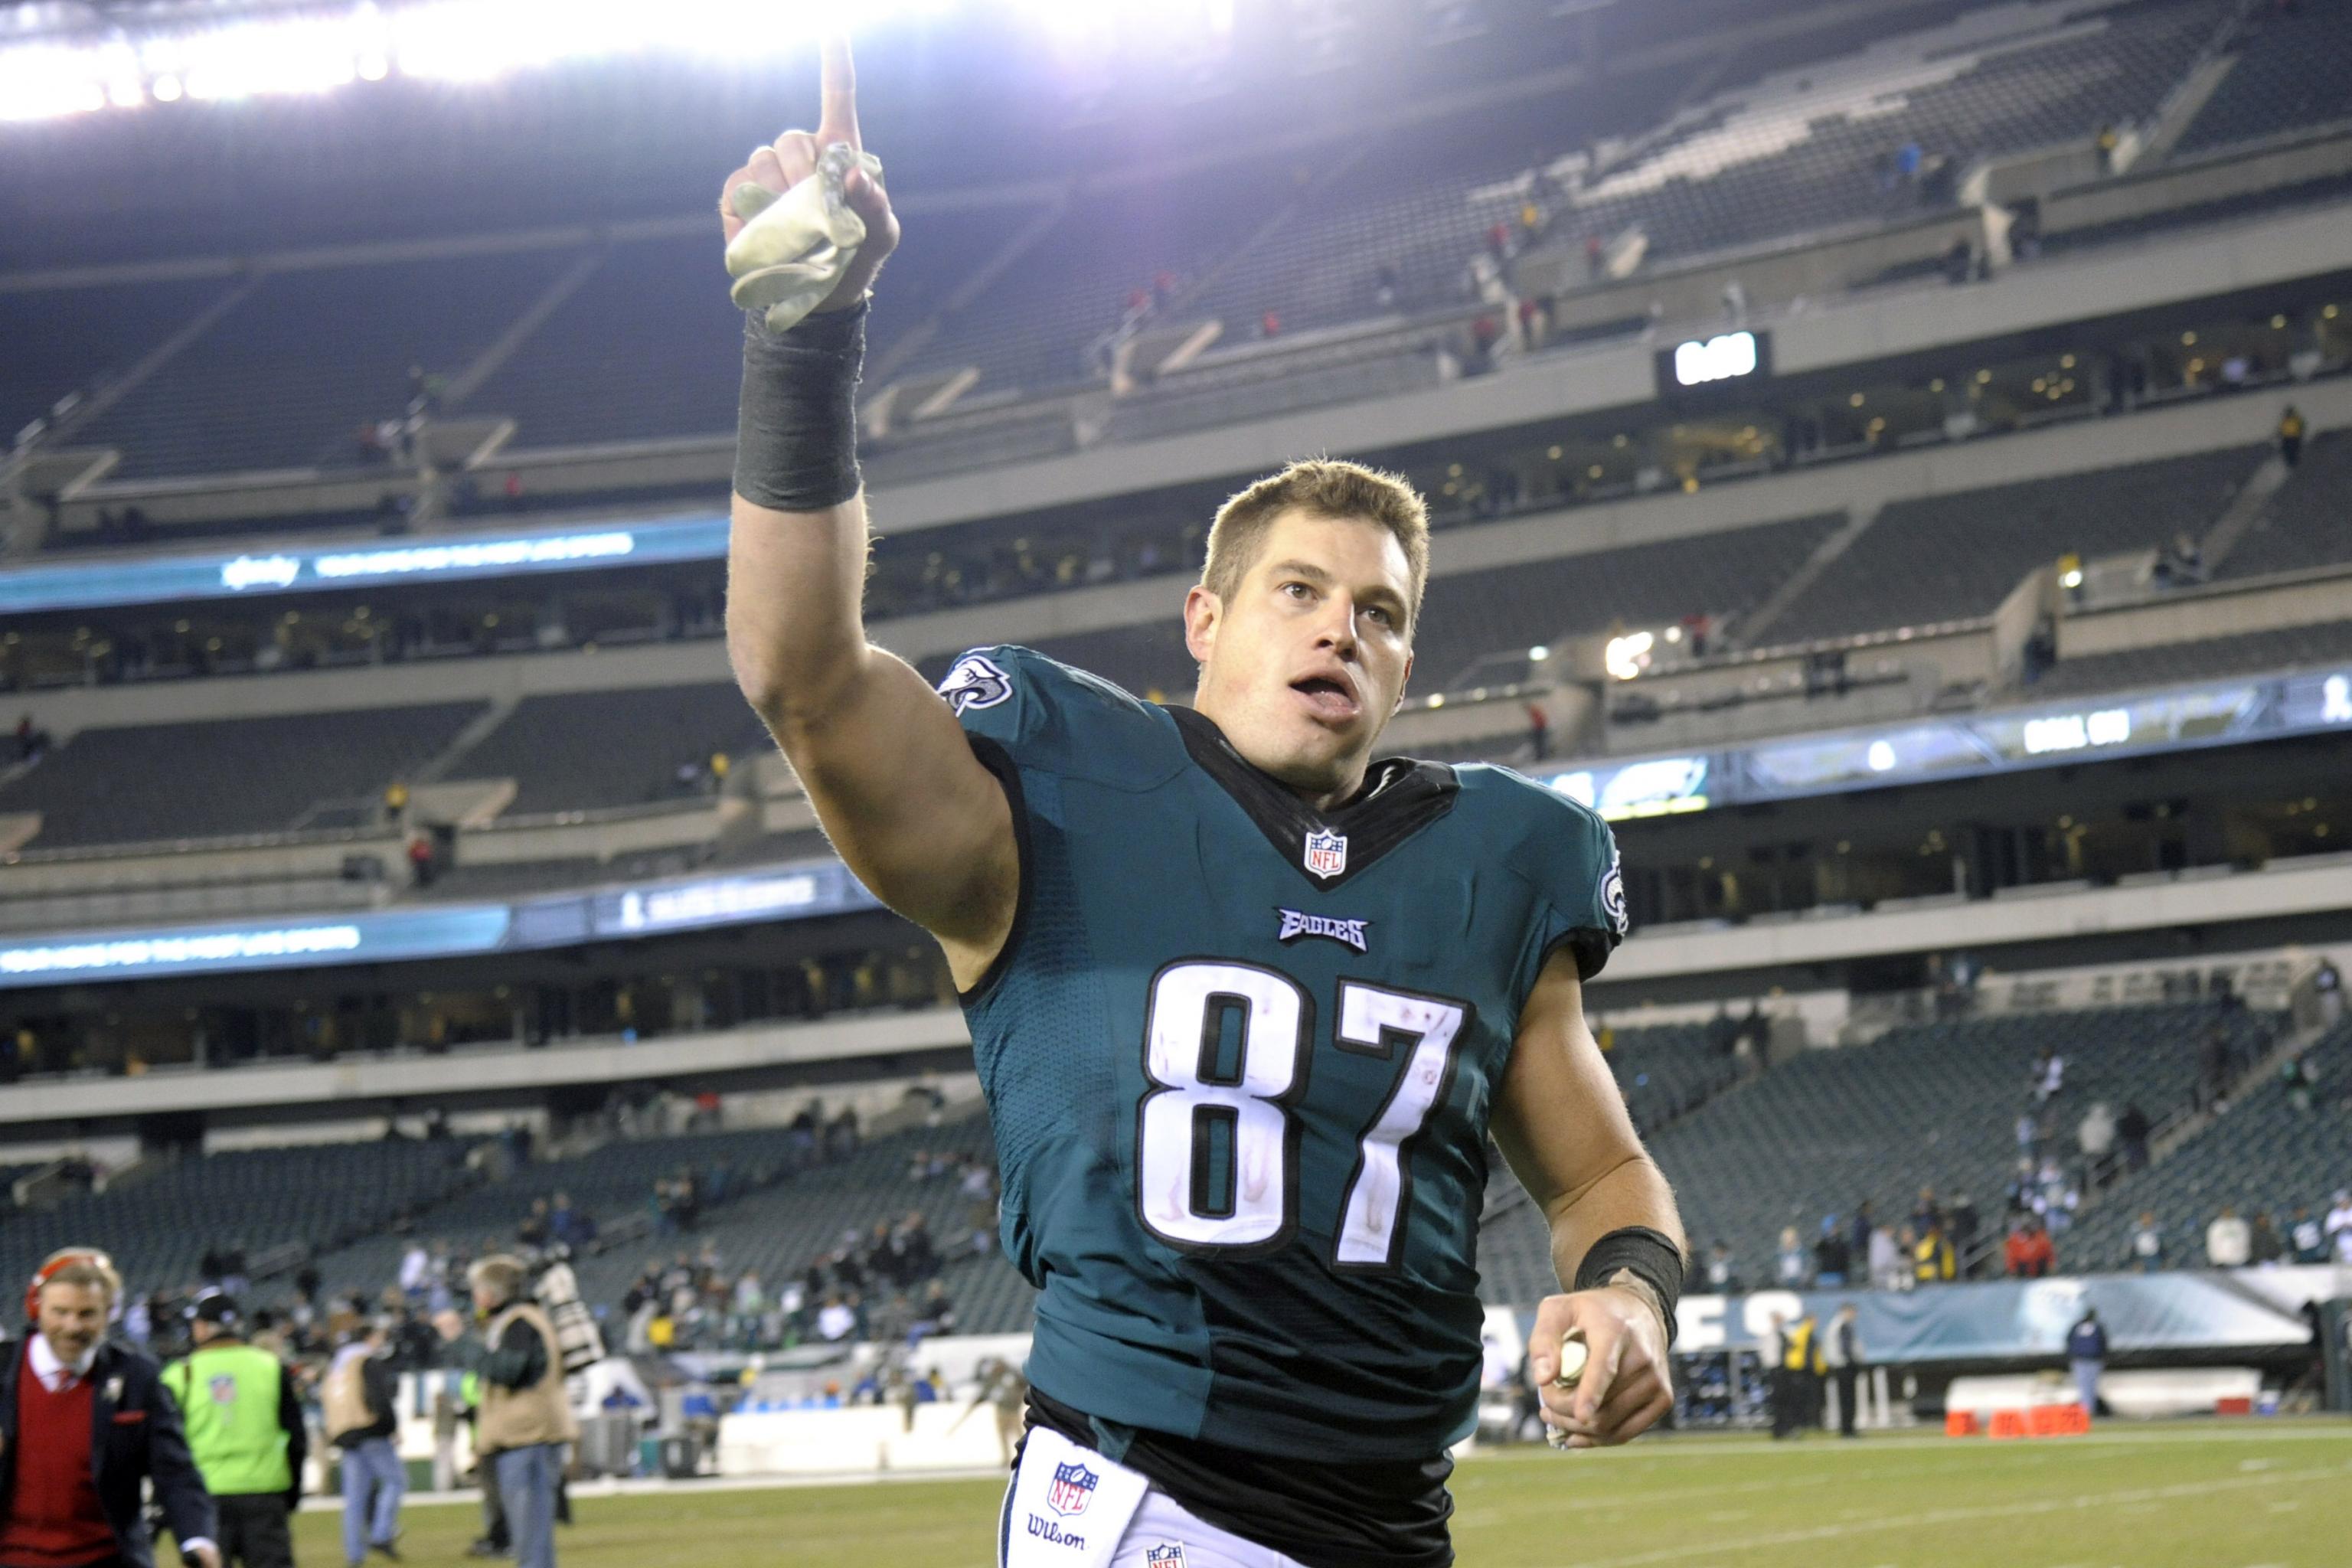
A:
286, 378
144, 783
582, 750
2308, 522
1954, 557
2287, 74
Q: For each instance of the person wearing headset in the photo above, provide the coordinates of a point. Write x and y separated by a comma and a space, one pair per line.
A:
84, 1424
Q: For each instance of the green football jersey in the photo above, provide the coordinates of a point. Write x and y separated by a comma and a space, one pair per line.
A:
1240, 1058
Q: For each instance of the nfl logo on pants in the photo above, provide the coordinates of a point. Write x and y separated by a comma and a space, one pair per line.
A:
1072, 1488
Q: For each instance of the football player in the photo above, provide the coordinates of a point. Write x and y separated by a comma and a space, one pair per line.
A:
1247, 997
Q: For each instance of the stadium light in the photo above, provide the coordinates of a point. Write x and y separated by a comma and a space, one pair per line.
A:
482, 40
1627, 656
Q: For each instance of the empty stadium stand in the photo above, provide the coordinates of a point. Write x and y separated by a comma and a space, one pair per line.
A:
1031, 329
582, 750
286, 378
2308, 522
63, 339
1816, 146
2256, 653
317, 1196
145, 783
1955, 557
2288, 75
644, 348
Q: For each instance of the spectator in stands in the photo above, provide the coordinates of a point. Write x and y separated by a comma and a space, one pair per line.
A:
1833, 1260
2340, 1226
2029, 1254
2228, 1240
2095, 1135
2266, 1247
1789, 1263
2301, 1079
1960, 1227
1933, 1261
2307, 1236
415, 1272
2327, 985
2290, 435
2147, 1243
2133, 1128
1889, 1270
2086, 1357
421, 867
360, 1417
836, 1321
1538, 732
1722, 1275
1926, 1215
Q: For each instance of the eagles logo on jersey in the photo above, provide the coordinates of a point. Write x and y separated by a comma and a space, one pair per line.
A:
1245, 1169
975, 682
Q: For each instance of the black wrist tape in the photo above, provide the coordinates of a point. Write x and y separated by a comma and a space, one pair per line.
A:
796, 431
1646, 1254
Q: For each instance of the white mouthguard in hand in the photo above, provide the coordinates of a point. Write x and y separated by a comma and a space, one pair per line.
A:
794, 248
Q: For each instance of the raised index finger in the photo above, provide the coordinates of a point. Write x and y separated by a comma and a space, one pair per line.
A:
837, 122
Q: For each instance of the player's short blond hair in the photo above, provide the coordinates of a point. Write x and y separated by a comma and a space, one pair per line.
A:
1320, 487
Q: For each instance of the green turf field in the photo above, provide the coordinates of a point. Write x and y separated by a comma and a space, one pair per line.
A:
2243, 1495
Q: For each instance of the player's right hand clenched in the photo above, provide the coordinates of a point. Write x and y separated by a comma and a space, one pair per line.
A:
793, 158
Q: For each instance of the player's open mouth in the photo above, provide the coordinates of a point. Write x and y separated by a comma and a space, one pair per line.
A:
1328, 699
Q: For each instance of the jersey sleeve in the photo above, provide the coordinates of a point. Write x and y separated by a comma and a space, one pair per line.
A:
1580, 882
1025, 710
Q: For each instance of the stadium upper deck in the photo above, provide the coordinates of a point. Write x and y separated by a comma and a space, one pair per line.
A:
605, 334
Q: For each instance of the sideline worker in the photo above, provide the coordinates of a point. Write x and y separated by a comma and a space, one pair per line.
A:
360, 1398
245, 1430
84, 1426
526, 1417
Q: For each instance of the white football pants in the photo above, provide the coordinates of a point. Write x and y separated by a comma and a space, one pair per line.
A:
1068, 1507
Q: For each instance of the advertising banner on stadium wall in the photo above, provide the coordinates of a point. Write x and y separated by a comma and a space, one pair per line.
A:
2233, 1310
178, 579
1966, 746
798, 892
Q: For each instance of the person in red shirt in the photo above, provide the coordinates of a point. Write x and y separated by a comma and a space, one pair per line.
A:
2028, 1254
84, 1423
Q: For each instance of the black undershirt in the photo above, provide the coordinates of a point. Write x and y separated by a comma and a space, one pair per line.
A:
1346, 1514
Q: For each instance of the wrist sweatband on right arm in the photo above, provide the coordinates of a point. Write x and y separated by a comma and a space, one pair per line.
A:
1645, 1253
796, 430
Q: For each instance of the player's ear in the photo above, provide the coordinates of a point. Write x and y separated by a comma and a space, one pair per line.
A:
1403, 687
1202, 610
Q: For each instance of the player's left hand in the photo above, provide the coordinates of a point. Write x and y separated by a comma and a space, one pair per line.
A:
1628, 1383
205, 1554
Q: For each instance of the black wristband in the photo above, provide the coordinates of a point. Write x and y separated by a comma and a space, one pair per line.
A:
796, 430
1646, 1254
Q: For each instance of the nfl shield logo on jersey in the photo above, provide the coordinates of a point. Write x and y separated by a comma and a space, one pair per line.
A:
1327, 853
1072, 1488
1164, 1557
222, 1389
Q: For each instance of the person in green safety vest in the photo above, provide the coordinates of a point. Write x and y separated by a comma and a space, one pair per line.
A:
246, 1430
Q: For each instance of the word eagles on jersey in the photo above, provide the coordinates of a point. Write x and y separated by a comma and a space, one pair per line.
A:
1241, 1055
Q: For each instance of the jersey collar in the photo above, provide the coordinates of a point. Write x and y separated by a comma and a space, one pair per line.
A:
1399, 798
